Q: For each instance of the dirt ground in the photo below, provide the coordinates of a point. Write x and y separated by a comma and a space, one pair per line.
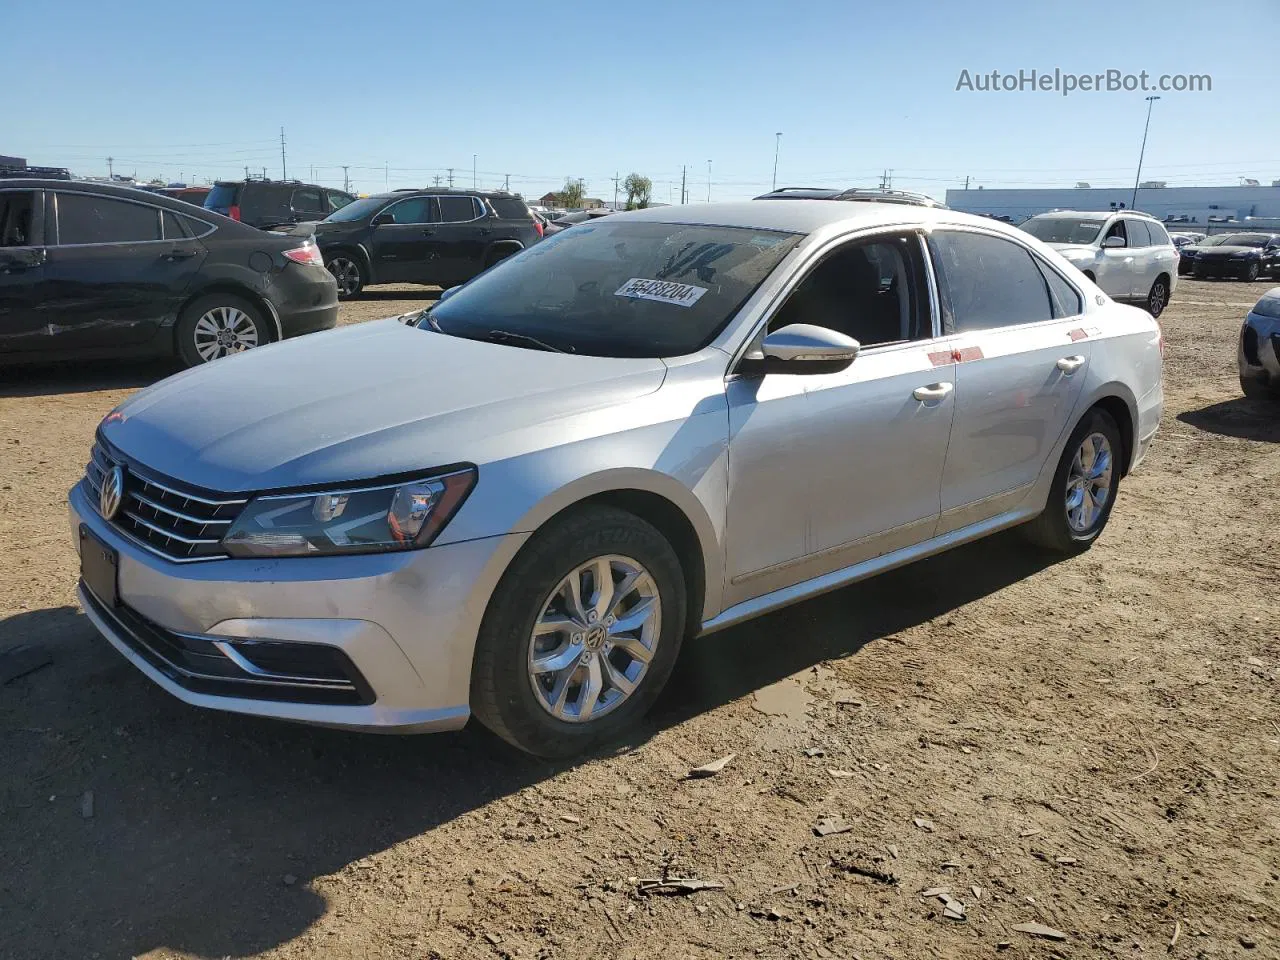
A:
1092, 745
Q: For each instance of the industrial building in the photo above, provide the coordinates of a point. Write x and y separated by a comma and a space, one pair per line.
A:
1202, 206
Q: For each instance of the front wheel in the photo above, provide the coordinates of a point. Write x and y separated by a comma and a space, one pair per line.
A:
349, 274
1158, 297
1084, 487
1251, 272
218, 325
580, 635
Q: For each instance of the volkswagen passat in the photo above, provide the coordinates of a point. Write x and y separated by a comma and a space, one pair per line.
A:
519, 503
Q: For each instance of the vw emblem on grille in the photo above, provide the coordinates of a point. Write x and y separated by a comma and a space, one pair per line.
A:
112, 494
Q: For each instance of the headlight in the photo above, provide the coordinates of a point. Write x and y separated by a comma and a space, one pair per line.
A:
402, 516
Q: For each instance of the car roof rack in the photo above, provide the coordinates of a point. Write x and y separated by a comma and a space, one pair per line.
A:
9, 172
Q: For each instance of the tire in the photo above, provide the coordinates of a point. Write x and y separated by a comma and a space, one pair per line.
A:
349, 272
218, 325
1257, 392
498, 255
1056, 528
1251, 272
506, 697
1158, 296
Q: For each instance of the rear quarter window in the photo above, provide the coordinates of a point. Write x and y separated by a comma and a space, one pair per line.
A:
511, 208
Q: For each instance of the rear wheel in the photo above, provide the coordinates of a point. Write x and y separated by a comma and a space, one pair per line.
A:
499, 254
580, 635
349, 273
1158, 296
1084, 487
218, 325
1257, 392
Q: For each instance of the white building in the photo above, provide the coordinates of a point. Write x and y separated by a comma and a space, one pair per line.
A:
1197, 204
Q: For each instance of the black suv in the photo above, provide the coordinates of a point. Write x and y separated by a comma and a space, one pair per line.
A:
434, 236
272, 203
93, 269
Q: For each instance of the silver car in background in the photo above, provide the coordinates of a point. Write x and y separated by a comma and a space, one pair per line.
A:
520, 503
1128, 254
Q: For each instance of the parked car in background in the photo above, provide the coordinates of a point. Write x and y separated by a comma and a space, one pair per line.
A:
94, 269
870, 194
192, 195
1258, 356
1188, 252
272, 203
578, 216
432, 236
1182, 238
520, 504
1235, 256
1129, 255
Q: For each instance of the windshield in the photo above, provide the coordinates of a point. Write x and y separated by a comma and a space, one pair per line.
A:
222, 197
1212, 241
617, 289
356, 210
1244, 240
1063, 229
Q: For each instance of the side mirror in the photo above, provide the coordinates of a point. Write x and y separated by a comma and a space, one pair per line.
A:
382, 219
446, 294
803, 348
1113, 242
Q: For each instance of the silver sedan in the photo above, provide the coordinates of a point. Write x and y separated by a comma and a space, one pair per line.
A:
519, 503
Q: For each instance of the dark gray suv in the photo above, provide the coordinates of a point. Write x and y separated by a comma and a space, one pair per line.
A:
431, 236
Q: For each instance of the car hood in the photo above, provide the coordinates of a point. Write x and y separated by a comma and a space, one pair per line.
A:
1073, 249
359, 402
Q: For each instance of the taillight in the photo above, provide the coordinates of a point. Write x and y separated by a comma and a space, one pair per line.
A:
234, 211
537, 225
307, 253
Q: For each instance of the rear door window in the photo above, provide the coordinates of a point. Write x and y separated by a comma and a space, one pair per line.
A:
175, 226
1158, 235
1064, 297
308, 200
989, 282
85, 218
457, 209
1139, 236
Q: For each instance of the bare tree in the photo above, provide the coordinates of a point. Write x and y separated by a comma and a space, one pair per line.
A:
639, 191
574, 193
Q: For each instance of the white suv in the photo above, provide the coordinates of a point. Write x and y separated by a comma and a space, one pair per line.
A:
1129, 255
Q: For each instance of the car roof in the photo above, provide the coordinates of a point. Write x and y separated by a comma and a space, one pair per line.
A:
443, 192
808, 216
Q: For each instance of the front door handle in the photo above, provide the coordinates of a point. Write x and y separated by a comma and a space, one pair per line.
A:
934, 391
186, 254
1070, 365
428, 233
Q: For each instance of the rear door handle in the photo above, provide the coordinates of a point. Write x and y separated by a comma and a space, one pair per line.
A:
934, 391
428, 233
181, 254
1070, 365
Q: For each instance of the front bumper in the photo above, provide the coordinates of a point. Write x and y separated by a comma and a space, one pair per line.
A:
1221, 269
406, 623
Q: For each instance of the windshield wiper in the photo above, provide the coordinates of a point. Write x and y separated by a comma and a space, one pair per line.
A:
506, 336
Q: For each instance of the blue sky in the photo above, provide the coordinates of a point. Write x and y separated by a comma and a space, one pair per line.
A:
590, 89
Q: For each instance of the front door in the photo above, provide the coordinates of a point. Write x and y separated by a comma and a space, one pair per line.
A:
1023, 352
1116, 268
23, 279
113, 277
401, 248
833, 468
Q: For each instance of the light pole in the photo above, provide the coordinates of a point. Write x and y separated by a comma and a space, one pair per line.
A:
777, 143
708, 181
1133, 203
473, 171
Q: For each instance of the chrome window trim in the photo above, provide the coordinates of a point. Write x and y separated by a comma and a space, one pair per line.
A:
54, 193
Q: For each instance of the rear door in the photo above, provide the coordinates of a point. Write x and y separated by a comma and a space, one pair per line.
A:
1143, 250
1022, 353
402, 248
114, 276
23, 276
459, 240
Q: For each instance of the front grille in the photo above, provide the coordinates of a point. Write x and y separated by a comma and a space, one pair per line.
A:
253, 669
166, 517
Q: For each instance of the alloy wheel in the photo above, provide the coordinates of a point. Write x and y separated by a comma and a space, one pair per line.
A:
1089, 482
223, 331
594, 638
347, 273
1158, 299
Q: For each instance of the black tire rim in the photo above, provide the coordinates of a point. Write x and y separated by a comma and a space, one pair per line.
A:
347, 273
1253, 272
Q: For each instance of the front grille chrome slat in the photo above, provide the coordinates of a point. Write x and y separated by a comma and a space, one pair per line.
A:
178, 524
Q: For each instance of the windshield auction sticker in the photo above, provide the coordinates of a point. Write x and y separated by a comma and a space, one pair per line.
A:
664, 291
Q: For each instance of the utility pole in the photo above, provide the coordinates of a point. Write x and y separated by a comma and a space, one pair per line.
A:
506, 183
346, 181
682, 182
246, 172
1133, 204
111, 172
615, 192
437, 180
264, 173
708, 181
777, 144
473, 171
284, 170
450, 178
966, 183
386, 172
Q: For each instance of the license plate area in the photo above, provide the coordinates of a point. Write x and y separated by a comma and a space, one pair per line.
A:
99, 568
